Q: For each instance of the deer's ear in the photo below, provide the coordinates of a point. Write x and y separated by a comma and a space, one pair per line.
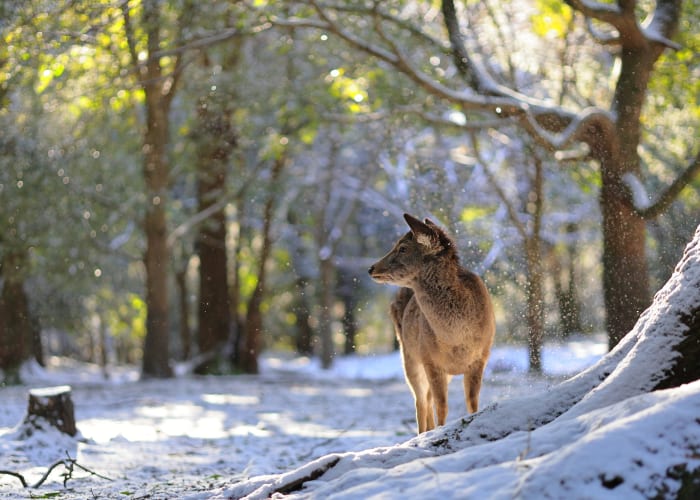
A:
425, 235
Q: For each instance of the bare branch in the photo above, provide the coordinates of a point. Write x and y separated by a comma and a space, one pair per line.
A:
462, 60
659, 29
581, 128
606, 13
69, 464
671, 193
601, 37
664, 23
17, 475
129, 32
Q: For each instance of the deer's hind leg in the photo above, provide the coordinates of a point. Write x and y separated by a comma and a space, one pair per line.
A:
472, 385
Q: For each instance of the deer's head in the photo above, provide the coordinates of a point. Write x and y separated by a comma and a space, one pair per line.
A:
404, 262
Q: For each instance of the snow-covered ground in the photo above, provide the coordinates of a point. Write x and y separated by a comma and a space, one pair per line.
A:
201, 435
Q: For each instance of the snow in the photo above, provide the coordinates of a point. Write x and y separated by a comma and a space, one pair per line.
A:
201, 435
640, 197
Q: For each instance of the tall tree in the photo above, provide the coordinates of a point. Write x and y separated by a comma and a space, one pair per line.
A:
18, 332
159, 79
217, 140
253, 326
611, 132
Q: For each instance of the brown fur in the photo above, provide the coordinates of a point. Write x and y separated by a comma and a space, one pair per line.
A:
443, 318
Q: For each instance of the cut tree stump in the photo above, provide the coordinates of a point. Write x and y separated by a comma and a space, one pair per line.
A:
53, 405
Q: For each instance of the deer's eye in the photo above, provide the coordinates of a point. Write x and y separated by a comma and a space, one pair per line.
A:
401, 250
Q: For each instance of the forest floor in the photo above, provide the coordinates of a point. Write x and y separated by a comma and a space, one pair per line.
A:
191, 435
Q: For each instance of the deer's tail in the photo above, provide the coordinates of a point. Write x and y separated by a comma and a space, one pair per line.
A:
398, 305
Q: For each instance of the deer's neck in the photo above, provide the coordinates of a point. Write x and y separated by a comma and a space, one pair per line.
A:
445, 302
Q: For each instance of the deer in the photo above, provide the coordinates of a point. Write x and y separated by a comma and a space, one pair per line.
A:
442, 315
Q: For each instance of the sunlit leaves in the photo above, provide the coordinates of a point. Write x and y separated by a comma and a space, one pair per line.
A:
128, 319
474, 213
552, 19
352, 92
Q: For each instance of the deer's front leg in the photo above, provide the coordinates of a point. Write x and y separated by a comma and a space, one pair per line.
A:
438, 380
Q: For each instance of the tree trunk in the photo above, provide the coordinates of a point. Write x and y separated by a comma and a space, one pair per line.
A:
347, 293
535, 304
158, 94
156, 351
184, 311
533, 255
325, 321
302, 267
564, 276
17, 328
237, 333
216, 145
254, 323
625, 273
304, 336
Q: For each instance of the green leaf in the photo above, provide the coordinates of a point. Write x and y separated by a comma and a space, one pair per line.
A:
553, 18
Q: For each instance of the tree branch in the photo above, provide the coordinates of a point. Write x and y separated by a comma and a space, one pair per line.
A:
69, 463
463, 62
664, 23
17, 475
129, 32
606, 13
671, 193
583, 127
601, 37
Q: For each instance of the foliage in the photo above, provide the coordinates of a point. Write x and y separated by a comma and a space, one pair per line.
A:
361, 144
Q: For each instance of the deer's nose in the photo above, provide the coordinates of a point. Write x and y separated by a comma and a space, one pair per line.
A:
371, 269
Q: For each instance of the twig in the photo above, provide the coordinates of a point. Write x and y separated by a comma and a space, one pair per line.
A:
69, 464
17, 475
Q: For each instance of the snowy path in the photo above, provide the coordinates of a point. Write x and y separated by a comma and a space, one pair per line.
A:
169, 438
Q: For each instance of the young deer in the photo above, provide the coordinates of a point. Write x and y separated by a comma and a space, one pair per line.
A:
443, 318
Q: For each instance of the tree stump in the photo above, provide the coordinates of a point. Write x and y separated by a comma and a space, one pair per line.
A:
53, 405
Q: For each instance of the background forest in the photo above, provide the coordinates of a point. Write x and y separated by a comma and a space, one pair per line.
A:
181, 181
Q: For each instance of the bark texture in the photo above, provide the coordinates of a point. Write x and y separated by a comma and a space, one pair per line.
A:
53, 405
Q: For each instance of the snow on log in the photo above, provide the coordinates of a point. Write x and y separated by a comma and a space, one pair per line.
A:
52, 405
611, 427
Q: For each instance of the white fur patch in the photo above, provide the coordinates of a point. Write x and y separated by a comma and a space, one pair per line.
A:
424, 239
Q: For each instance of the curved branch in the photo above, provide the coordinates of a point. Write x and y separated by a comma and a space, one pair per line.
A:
606, 13
584, 127
671, 193
601, 37
664, 23
659, 29
17, 475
